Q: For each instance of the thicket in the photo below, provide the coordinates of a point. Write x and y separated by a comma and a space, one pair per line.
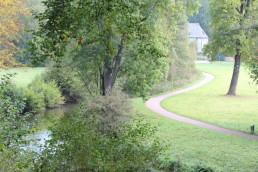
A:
98, 138
13, 119
14, 124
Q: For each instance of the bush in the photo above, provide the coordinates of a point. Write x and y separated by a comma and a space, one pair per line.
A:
14, 121
68, 83
109, 110
40, 94
97, 138
78, 145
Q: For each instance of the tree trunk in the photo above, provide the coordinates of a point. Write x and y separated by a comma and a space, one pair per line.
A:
234, 80
106, 78
111, 69
109, 76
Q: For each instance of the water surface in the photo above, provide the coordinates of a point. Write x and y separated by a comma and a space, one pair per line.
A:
45, 120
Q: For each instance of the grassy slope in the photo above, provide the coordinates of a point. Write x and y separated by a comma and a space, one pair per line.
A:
209, 104
192, 144
24, 75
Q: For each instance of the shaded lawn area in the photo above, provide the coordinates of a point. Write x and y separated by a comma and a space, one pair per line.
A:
192, 145
24, 75
208, 103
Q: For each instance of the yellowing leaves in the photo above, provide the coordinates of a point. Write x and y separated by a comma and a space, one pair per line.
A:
10, 11
80, 41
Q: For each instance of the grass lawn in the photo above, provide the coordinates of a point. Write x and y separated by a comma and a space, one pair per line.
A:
208, 103
191, 144
194, 145
24, 75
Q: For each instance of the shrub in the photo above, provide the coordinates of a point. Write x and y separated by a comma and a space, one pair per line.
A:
97, 138
40, 94
52, 94
78, 145
14, 123
34, 101
68, 83
109, 110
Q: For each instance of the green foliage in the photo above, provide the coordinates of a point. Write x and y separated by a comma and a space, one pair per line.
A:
40, 94
233, 28
34, 101
140, 77
193, 50
182, 55
14, 121
110, 110
97, 34
78, 145
234, 33
253, 66
68, 82
13, 160
29, 23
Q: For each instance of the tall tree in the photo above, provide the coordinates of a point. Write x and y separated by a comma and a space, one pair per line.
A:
233, 32
10, 25
104, 29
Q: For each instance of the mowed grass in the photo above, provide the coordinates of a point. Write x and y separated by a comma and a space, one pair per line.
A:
24, 75
209, 103
193, 145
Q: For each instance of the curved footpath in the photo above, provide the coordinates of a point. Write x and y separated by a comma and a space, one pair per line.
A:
154, 105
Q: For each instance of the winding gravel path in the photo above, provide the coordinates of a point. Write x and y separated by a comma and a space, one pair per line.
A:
154, 105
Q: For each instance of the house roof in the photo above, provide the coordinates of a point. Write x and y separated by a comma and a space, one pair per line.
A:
196, 31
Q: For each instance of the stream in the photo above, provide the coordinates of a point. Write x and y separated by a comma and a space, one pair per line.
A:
44, 121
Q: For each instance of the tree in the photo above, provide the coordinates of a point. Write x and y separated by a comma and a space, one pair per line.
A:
233, 32
10, 26
103, 29
253, 65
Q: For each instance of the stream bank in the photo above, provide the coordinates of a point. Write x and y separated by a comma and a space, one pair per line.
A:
45, 119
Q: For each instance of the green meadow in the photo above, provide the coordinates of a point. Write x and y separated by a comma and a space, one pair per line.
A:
24, 75
193, 145
209, 103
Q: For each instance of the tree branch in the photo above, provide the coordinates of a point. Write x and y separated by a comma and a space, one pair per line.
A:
118, 58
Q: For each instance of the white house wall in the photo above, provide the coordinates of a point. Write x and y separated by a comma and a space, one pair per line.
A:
200, 43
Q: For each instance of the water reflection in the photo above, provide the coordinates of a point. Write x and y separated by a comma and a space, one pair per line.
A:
45, 119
